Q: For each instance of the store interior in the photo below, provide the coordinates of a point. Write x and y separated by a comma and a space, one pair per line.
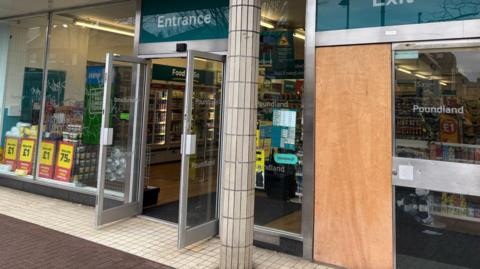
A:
437, 117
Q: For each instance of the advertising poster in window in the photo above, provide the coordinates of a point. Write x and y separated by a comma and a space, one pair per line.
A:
31, 96
92, 118
26, 154
64, 166
47, 155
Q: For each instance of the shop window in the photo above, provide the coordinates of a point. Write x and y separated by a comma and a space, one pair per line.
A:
22, 49
437, 107
72, 117
279, 180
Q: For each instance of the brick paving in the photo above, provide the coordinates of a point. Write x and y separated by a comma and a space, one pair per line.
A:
25, 245
138, 236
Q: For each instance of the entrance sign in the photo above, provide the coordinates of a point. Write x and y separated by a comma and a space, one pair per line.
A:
354, 14
169, 21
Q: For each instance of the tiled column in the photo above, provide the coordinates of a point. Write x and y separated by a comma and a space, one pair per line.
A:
240, 112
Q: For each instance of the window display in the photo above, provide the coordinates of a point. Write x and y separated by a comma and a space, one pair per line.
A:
279, 161
73, 111
20, 85
437, 105
58, 120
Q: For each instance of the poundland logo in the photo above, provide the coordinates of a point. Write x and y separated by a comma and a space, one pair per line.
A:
439, 110
383, 3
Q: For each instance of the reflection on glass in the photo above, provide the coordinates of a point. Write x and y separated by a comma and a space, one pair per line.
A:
279, 149
205, 124
74, 99
437, 105
22, 46
436, 230
119, 155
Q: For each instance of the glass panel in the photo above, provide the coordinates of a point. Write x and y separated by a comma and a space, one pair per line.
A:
120, 167
279, 180
76, 66
437, 105
205, 124
22, 49
165, 127
436, 230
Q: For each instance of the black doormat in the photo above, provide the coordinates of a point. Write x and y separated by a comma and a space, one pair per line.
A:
200, 208
26, 245
268, 209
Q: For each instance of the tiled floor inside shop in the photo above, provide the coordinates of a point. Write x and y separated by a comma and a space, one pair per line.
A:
139, 236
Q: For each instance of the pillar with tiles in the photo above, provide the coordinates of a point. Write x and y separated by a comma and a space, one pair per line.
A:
240, 118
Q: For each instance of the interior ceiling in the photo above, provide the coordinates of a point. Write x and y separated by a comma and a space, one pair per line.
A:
9, 8
290, 13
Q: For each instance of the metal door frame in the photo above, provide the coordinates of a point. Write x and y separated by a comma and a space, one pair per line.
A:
131, 207
211, 228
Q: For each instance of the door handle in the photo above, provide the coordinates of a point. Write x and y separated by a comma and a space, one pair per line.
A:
189, 147
106, 138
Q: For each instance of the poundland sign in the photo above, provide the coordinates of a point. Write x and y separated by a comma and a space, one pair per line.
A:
185, 20
354, 14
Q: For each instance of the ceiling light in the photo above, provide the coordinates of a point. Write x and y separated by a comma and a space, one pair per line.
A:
421, 76
104, 28
267, 24
299, 35
404, 70
65, 25
443, 83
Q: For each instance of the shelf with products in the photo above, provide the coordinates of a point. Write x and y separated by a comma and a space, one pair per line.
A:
165, 120
455, 206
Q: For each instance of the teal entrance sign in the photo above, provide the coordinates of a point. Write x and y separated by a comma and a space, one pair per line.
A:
354, 14
186, 20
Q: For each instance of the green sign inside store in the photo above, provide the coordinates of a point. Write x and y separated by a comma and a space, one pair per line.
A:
353, 14
173, 73
170, 21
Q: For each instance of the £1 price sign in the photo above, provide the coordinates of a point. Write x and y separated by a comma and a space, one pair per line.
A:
25, 155
63, 169
11, 151
47, 154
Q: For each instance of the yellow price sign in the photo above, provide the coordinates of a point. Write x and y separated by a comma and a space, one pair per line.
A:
27, 149
65, 156
47, 150
11, 146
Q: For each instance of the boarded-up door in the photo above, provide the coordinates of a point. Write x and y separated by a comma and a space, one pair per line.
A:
353, 191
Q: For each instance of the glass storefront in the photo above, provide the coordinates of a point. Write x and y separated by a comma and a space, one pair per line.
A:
23, 46
54, 115
279, 176
65, 110
437, 117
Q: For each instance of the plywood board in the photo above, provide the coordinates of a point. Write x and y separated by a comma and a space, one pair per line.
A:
353, 193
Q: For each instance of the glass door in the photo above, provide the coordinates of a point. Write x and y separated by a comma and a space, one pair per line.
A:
122, 139
201, 148
436, 173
